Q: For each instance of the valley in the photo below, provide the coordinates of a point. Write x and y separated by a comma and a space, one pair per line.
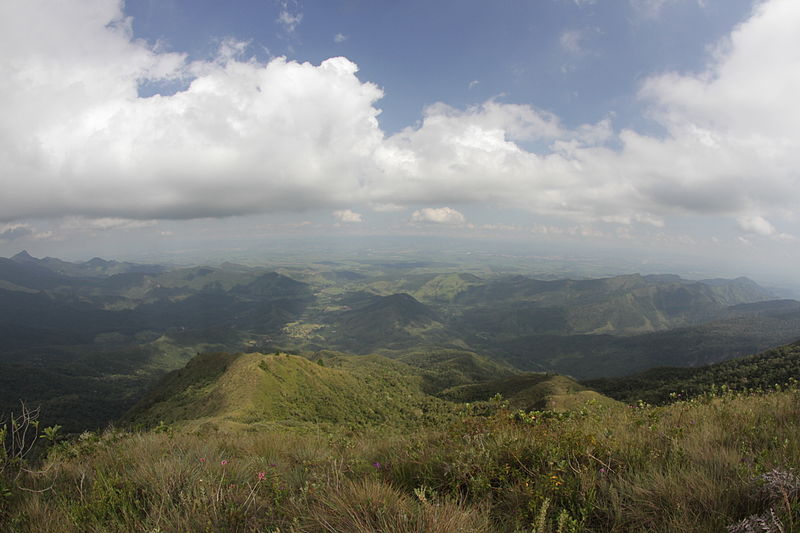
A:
85, 341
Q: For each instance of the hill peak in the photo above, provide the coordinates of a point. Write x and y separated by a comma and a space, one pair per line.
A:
401, 297
400, 306
238, 390
23, 256
99, 262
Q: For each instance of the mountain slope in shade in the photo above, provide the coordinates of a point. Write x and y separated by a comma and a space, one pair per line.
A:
93, 268
744, 330
623, 305
30, 275
396, 321
656, 385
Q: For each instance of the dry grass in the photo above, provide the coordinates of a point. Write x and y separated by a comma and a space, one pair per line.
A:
691, 466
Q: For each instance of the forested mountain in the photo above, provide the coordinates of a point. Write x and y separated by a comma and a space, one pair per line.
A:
103, 328
772, 368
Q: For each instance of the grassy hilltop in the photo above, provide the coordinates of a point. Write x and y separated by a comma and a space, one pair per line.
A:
221, 390
456, 442
253, 390
718, 462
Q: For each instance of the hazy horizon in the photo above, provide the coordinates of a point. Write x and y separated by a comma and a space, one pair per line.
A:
646, 135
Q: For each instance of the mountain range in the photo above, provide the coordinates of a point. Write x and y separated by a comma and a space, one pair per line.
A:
74, 333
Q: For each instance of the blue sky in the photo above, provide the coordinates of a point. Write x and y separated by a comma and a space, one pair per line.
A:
581, 60
659, 127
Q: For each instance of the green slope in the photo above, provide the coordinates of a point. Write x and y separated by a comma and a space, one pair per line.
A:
243, 389
657, 385
397, 321
443, 368
745, 330
514, 306
528, 392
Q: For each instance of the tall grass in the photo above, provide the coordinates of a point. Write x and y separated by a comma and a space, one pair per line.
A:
704, 465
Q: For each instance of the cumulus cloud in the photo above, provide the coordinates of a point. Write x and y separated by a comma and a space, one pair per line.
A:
339, 38
756, 224
732, 144
346, 215
441, 215
246, 136
243, 137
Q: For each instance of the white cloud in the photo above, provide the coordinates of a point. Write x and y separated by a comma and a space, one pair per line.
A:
287, 19
387, 208
502, 227
346, 215
44, 235
732, 144
571, 41
247, 137
339, 38
756, 224
243, 137
441, 215
10, 232
651, 9
104, 223
473, 84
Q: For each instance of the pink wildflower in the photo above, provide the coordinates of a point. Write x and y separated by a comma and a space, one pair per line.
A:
202, 459
223, 462
261, 476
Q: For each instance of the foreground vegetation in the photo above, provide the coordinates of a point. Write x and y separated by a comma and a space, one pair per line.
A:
719, 462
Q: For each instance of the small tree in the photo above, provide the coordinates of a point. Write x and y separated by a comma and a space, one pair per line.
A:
18, 437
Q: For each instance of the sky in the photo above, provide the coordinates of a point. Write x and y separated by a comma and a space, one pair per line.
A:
653, 128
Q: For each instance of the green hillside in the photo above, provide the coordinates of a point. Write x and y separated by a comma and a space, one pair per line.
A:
233, 390
230, 391
445, 368
623, 305
445, 288
745, 330
772, 368
78, 333
726, 462
397, 321
529, 392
